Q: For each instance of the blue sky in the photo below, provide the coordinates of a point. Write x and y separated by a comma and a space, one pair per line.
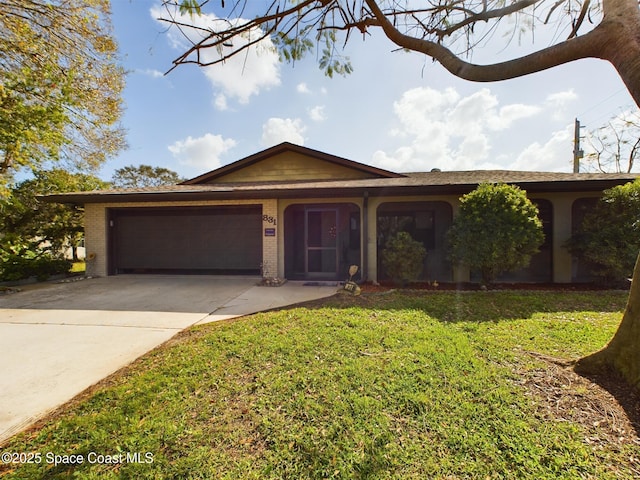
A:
398, 111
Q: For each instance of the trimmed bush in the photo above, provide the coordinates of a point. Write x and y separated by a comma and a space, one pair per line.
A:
403, 257
496, 230
19, 268
609, 237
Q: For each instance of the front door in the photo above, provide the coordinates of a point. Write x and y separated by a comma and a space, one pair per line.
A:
321, 242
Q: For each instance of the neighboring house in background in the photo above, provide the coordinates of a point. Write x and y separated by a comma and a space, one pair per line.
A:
308, 215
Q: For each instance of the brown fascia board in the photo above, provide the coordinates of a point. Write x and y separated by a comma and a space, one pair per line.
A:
284, 147
449, 183
370, 188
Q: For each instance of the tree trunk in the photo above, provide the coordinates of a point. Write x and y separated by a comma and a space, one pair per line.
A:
622, 48
622, 354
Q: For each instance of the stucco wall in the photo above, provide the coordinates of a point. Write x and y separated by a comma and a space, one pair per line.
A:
273, 217
561, 204
372, 247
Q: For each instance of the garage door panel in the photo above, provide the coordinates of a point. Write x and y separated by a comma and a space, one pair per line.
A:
224, 240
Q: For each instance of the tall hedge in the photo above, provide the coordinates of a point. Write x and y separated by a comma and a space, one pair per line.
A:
609, 236
497, 230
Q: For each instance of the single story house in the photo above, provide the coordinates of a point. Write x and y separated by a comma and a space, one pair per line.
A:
301, 214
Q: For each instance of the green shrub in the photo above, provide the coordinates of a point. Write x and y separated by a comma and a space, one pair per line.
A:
403, 257
496, 230
15, 267
609, 237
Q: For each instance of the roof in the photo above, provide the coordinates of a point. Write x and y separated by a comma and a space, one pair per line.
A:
418, 183
287, 147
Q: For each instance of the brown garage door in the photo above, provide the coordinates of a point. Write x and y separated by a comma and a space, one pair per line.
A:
220, 240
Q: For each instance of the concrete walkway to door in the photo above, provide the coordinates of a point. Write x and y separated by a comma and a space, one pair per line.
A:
57, 339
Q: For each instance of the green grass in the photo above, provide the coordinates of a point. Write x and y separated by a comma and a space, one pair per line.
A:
393, 386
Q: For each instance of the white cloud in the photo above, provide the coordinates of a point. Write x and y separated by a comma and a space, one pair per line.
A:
302, 88
561, 98
447, 131
511, 113
203, 152
241, 76
558, 103
317, 113
556, 155
220, 102
278, 130
150, 72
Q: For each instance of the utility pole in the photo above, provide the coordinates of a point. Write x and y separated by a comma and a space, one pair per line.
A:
578, 153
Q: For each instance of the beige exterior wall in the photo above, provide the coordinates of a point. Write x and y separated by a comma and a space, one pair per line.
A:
562, 204
96, 233
273, 217
371, 239
292, 166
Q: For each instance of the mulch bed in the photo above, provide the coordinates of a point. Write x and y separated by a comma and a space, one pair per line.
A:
605, 406
8, 290
474, 287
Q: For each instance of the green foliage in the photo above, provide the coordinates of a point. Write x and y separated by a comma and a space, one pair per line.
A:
19, 267
293, 48
30, 225
496, 230
60, 85
399, 386
403, 257
330, 61
192, 7
609, 237
144, 176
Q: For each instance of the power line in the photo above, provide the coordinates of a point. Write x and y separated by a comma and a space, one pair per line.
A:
593, 107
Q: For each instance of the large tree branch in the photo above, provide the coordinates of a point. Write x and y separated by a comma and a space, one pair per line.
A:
484, 16
585, 46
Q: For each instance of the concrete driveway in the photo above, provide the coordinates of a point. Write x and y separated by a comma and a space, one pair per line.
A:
57, 339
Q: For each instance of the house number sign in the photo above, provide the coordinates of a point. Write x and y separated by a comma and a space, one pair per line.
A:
269, 219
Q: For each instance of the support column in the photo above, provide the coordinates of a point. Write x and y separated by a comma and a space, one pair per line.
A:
272, 230
562, 262
95, 239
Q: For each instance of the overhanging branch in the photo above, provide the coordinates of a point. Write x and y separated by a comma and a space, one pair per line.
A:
586, 46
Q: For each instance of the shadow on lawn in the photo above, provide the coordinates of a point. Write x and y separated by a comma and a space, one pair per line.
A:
489, 306
497, 306
626, 396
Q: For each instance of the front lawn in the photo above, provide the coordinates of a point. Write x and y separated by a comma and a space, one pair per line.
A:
402, 385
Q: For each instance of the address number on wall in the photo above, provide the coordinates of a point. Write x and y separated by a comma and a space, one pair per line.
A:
269, 219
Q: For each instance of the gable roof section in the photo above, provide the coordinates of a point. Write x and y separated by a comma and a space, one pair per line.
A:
290, 163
